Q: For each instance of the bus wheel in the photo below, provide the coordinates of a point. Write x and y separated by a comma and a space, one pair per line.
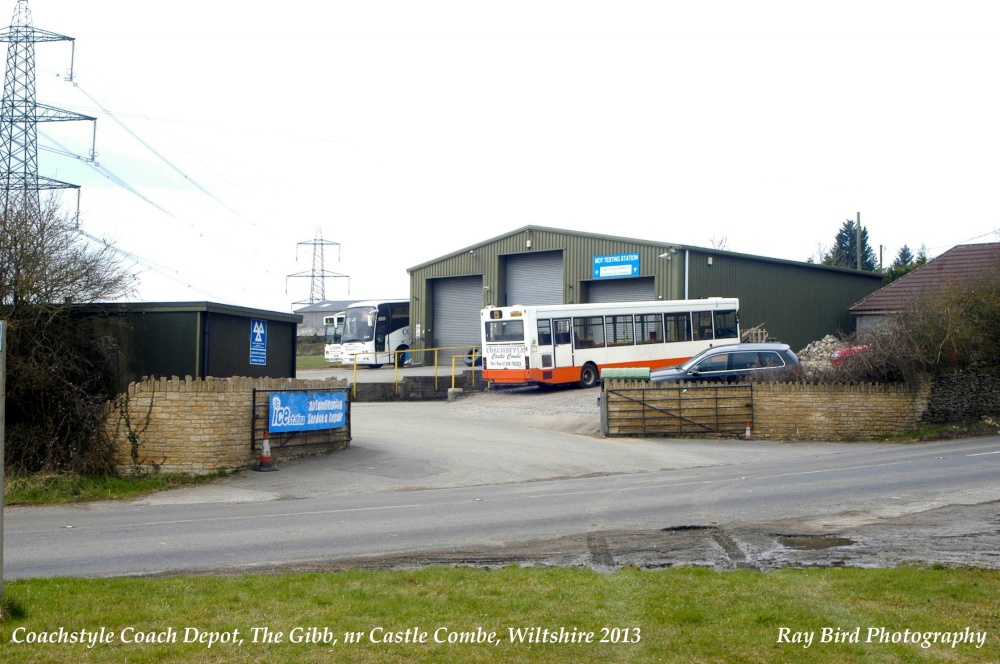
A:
588, 375
401, 357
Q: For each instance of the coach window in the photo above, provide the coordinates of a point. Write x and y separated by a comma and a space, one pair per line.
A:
678, 327
726, 326
588, 332
649, 329
619, 330
545, 332
702, 325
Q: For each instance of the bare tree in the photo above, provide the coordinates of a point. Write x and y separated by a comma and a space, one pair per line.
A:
721, 243
55, 367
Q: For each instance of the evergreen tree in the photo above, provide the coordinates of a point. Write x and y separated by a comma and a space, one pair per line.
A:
844, 252
904, 257
905, 263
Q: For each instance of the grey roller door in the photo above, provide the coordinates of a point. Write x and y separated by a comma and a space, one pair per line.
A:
457, 303
535, 278
635, 289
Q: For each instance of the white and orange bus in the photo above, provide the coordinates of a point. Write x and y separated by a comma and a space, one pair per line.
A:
571, 343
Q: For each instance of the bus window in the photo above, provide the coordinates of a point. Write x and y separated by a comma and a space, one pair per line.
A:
678, 327
505, 330
726, 325
648, 328
563, 332
588, 332
619, 330
545, 332
702, 325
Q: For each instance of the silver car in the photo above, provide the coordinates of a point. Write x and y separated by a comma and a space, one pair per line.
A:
733, 364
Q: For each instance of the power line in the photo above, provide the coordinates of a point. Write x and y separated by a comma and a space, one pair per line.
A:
153, 150
107, 173
162, 270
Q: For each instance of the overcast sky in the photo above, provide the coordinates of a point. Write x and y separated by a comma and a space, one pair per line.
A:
408, 130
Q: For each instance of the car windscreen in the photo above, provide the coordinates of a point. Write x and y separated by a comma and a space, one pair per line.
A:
694, 360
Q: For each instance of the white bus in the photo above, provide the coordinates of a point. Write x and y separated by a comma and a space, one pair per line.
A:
333, 328
571, 343
373, 330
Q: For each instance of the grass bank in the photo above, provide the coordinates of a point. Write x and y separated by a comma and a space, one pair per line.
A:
511, 615
63, 488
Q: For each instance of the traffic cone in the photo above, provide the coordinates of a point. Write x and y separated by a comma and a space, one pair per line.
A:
265, 457
746, 436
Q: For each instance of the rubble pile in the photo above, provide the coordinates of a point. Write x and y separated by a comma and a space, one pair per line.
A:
820, 351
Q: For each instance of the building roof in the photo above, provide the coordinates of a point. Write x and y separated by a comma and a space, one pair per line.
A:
328, 306
655, 243
187, 307
960, 263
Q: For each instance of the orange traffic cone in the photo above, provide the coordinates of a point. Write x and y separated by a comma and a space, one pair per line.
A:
265, 457
746, 436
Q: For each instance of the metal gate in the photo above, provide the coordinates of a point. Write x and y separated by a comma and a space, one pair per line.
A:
645, 409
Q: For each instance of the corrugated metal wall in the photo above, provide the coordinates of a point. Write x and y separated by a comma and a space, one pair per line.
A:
797, 302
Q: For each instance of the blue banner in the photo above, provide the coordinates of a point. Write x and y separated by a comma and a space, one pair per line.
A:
306, 411
616, 266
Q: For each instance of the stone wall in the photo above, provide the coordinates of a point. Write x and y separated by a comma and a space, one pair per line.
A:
200, 426
797, 411
842, 413
963, 395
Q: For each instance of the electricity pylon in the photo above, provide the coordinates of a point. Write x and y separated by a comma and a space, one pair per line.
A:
318, 275
20, 183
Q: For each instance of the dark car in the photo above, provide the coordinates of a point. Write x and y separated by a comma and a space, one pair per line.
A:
733, 363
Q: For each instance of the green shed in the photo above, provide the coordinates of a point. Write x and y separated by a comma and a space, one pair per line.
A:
197, 339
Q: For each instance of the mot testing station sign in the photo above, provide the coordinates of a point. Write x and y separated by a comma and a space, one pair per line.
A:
616, 265
306, 411
258, 341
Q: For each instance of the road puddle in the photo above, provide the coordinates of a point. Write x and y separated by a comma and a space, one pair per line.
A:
813, 542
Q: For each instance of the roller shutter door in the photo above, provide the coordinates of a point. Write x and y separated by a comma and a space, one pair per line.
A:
457, 303
535, 278
635, 289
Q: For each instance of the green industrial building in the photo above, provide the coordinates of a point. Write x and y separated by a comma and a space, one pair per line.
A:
794, 302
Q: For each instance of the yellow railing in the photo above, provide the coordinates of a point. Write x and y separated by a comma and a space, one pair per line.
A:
423, 351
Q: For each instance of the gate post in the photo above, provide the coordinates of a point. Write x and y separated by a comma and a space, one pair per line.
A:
602, 406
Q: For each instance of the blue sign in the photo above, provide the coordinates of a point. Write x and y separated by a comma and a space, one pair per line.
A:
258, 341
616, 265
306, 411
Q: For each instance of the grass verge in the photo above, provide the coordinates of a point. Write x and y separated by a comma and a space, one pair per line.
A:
311, 362
676, 615
62, 488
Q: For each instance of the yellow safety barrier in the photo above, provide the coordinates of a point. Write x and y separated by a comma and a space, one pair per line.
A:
422, 351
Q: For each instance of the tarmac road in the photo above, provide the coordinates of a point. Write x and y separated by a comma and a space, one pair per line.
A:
518, 476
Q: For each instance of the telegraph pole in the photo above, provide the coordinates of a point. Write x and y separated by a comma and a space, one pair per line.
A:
857, 227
